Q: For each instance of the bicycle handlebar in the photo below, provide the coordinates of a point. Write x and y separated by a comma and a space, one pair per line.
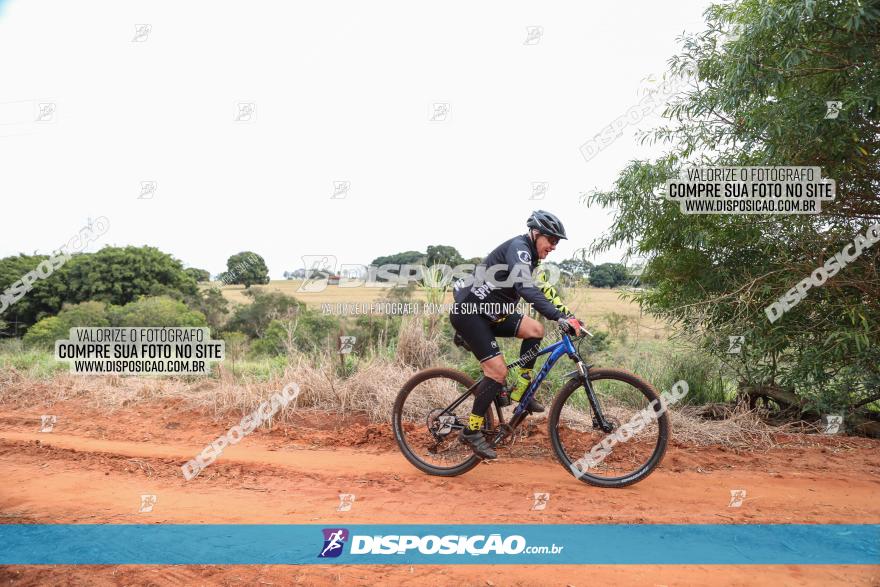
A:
583, 330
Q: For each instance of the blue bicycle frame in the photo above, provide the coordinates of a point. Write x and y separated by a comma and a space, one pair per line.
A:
556, 350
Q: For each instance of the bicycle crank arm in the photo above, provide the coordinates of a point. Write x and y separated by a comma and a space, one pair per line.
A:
507, 430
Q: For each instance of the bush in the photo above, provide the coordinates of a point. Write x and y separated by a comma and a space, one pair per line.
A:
703, 373
309, 331
236, 346
214, 306
44, 333
375, 332
618, 326
156, 311
596, 344
314, 330
253, 319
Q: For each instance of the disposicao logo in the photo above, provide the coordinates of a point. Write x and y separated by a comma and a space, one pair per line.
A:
334, 540
491, 544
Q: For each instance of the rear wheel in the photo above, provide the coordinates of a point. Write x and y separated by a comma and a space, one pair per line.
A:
624, 456
428, 436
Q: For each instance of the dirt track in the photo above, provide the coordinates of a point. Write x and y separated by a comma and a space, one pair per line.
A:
93, 468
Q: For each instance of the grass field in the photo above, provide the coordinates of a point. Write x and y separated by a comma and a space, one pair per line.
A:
589, 303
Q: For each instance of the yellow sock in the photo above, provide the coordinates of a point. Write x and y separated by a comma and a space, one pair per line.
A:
523, 379
475, 422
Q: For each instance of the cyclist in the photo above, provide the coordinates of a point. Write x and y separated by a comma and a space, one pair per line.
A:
477, 321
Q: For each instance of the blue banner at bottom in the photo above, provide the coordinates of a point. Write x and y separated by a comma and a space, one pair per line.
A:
104, 544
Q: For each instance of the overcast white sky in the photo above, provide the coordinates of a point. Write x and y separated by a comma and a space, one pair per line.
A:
343, 91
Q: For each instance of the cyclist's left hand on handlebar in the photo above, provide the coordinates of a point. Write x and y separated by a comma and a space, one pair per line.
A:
571, 325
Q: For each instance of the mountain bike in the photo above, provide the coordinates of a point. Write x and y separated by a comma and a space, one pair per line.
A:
590, 409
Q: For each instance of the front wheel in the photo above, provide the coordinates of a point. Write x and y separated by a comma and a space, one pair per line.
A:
628, 453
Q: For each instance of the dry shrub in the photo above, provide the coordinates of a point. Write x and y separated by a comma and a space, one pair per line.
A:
108, 392
12, 385
371, 390
743, 428
414, 347
374, 387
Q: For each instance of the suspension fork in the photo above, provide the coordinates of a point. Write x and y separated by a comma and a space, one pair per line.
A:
598, 416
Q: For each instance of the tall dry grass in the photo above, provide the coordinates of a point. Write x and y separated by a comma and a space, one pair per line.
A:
370, 389
415, 347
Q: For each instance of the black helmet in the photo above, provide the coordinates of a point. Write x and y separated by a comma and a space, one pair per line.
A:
546, 223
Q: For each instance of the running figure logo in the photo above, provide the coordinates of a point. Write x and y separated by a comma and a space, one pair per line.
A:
334, 540
147, 503
47, 423
346, 344
541, 500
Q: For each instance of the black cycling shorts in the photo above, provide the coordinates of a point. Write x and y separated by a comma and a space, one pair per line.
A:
479, 332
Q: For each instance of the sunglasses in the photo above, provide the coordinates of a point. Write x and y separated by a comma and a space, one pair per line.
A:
554, 240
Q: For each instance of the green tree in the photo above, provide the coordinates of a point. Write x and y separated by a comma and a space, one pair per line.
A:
601, 277
410, 257
119, 275
579, 268
405, 258
443, 255
199, 275
609, 275
765, 72
246, 268
115, 275
45, 297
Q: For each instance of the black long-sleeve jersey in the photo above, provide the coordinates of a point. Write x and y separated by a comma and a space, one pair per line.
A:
518, 256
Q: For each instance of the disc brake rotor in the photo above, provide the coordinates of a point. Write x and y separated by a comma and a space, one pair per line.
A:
615, 424
440, 424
